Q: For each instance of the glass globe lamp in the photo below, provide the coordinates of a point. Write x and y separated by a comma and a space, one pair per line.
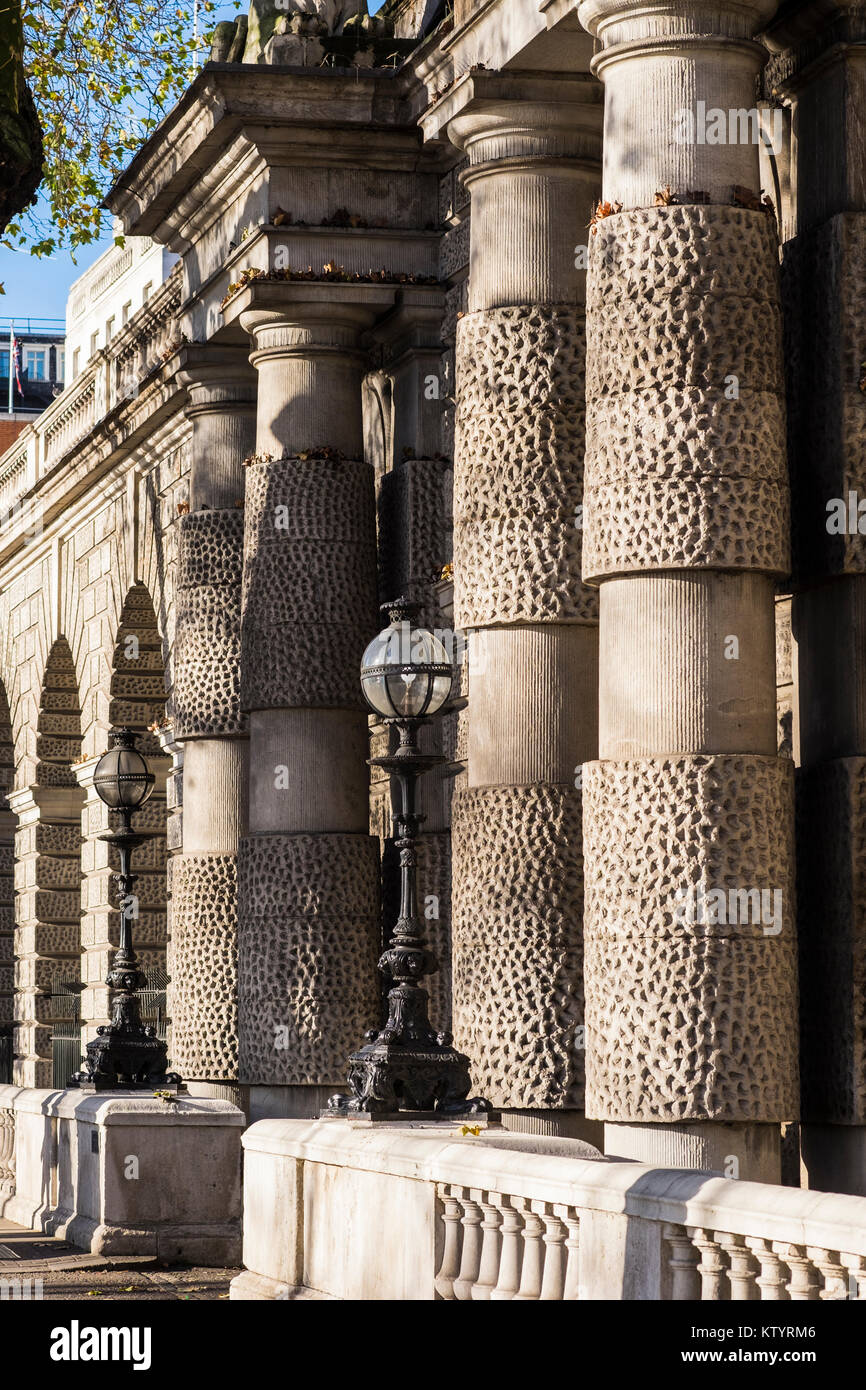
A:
406, 672
122, 778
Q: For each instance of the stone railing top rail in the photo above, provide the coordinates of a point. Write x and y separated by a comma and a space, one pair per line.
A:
114, 1109
681, 1197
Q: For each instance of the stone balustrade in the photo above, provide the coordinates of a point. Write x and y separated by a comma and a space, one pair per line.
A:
7, 1151
111, 377
423, 1213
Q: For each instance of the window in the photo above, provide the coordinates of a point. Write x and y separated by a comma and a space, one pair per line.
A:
76, 358
94, 343
34, 363
61, 365
145, 293
127, 310
109, 330
4, 363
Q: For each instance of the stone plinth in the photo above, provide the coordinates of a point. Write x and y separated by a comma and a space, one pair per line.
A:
129, 1174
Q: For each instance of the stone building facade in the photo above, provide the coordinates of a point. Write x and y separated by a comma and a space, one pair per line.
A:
475, 289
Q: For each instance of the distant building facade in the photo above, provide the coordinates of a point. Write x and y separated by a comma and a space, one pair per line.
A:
103, 299
39, 356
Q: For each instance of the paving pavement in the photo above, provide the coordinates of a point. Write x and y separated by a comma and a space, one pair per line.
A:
57, 1270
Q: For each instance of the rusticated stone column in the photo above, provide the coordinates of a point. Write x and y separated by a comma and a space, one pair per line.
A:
208, 723
691, 999
534, 148
309, 870
819, 67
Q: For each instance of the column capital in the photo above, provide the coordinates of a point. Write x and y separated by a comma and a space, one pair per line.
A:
499, 117
290, 318
621, 22
216, 377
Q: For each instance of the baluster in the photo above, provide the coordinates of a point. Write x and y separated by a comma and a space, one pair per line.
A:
712, 1268
512, 1247
771, 1280
683, 1264
742, 1268
471, 1259
572, 1258
533, 1252
832, 1271
488, 1271
450, 1267
553, 1280
803, 1284
856, 1267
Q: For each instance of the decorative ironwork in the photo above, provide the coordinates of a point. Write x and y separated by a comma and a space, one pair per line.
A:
407, 1066
126, 1053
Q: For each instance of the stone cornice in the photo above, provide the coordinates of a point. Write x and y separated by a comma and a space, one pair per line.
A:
282, 115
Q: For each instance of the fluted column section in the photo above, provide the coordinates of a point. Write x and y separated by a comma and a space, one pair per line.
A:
818, 66
309, 870
534, 149
208, 723
690, 1011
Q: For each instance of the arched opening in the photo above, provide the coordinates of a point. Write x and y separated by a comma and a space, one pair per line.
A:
48, 851
138, 701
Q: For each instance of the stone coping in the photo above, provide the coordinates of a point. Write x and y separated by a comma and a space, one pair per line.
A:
682, 1197
119, 1108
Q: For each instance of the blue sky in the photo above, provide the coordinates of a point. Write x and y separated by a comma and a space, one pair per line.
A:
37, 288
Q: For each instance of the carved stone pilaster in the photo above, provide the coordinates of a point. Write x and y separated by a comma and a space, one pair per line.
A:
47, 918
831, 885
824, 285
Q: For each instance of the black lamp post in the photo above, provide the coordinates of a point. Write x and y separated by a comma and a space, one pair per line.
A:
406, 675
125, 1054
